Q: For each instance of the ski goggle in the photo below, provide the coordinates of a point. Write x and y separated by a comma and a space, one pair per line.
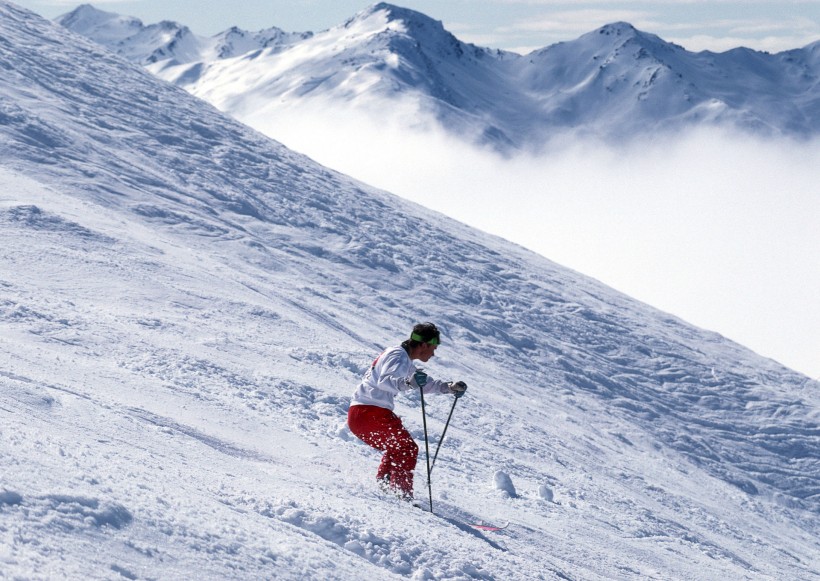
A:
431, 341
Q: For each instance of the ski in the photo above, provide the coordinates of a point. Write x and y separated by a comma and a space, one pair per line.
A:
464, 524
460, 518
492, 528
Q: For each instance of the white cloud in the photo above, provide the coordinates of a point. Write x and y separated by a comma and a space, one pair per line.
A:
718, 229
74, 3
739, 3
724, 34
772, 44
578, 21
704, 27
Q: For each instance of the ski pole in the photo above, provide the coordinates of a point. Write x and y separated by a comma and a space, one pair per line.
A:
443, 434
426, 448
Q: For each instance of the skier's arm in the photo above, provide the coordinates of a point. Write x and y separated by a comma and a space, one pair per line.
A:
436, 386
457, 388
430, 385
393, 370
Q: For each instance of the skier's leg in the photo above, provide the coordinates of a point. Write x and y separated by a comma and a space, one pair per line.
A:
370, 424
383, 430
400, 460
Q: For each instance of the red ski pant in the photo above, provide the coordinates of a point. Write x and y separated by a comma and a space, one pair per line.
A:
382, 429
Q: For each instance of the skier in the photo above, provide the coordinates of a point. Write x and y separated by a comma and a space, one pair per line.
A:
371, 417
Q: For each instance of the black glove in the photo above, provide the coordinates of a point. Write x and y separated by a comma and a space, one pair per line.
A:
420, 378
457, 388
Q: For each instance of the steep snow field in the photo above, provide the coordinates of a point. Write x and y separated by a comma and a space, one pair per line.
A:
186, 306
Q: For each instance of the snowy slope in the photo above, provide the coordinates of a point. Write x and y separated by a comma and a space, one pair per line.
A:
187, 305
397, 64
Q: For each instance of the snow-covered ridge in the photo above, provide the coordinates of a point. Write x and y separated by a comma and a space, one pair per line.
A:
186, 306
614, 82
169, 41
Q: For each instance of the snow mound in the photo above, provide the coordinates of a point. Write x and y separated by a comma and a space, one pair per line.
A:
504, 483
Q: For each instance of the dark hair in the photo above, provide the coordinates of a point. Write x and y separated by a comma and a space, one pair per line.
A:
423, 333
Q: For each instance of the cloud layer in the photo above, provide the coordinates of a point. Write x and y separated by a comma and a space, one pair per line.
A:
719, 229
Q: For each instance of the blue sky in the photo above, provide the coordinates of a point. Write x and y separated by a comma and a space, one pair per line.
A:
519, 25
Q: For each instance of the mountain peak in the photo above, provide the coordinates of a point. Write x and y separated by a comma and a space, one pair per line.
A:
84, 11
623, 32
86, 14
99, 24
393, 14
408, 31
617, 28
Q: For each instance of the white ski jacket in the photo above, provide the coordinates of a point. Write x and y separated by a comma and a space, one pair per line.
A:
391, 373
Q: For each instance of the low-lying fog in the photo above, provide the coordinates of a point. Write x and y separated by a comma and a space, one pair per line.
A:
720, 229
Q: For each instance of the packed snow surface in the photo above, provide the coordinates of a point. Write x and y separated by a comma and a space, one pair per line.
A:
187, 305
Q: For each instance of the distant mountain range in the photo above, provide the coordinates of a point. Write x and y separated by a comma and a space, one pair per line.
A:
613, 83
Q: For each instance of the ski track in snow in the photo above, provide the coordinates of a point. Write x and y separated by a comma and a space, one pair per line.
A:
186, 307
